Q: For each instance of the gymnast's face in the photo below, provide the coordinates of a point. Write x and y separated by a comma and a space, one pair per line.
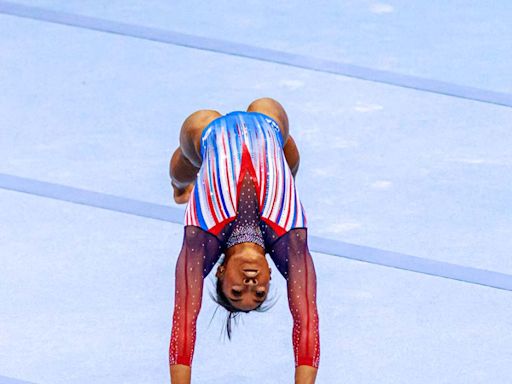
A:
245, 276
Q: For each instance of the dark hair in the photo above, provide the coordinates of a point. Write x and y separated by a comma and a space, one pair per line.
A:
234, 312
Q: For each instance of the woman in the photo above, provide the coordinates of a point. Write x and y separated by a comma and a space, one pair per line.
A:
237, 174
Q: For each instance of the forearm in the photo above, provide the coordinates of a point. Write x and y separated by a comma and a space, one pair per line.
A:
181, 170
180, 374
187, 306
304, 374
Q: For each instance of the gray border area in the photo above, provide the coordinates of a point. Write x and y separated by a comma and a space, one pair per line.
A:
317, 244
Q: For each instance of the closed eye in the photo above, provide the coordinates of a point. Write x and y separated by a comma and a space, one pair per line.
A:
256, 301
237, 295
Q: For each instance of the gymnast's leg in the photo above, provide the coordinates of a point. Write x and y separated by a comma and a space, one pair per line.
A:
275, 110
186, 160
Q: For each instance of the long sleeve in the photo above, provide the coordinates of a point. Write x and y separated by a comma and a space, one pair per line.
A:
199, 253
291, 255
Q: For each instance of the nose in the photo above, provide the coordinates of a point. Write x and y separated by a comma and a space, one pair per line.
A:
250, 281
250, 277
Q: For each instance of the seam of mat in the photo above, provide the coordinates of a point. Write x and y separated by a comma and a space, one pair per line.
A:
317, 244
257, 53
10, 380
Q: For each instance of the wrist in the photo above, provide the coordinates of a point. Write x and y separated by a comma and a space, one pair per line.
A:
180, 374
305, 374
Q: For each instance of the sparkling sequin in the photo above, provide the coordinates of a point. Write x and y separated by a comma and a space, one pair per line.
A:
246, 227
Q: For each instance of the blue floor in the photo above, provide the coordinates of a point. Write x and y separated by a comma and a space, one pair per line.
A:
87, 293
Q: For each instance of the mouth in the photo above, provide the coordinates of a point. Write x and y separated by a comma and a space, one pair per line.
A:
250, 272
254, 266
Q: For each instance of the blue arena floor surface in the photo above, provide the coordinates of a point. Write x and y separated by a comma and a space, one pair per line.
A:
86, 293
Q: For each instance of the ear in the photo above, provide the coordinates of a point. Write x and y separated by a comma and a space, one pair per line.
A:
220, 271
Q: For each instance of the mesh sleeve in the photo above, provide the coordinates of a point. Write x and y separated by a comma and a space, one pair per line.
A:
199, 253
291, 255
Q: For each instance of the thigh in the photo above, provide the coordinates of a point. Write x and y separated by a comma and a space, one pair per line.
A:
275, 110
190, 134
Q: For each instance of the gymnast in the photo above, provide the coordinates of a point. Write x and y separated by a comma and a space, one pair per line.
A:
236, 172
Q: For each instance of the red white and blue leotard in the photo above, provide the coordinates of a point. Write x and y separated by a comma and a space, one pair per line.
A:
244, 178
231, 146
